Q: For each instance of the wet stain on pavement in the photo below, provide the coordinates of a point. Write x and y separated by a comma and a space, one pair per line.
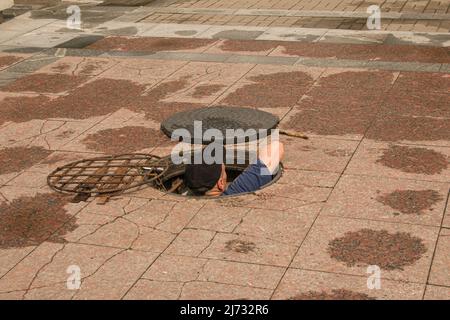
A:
414, 160
389, 251
276, 90
42, 83
124, 140
240, 246
410, 201
16, 159
29, 221
335, 294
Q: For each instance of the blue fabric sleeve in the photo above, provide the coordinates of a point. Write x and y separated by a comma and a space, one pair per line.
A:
252, 179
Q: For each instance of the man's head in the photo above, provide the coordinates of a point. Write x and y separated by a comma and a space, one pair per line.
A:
206, 179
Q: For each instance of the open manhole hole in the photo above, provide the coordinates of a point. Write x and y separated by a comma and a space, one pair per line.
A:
172, 180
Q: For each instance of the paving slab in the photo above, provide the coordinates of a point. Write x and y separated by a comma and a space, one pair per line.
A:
386, 199
439, 269
428, 163
321, 250
373, 175
313, 285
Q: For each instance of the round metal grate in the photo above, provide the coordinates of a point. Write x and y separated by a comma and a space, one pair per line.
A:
109, 174
220, 118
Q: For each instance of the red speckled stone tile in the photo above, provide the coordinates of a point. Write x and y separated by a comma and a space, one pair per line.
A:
304, 284
423, 81
373, 81
7, 60
154, 290
241, 248
202, 290
314, 253
316, 153
401, 161
415, 130
386, 199
243, 47
400, 53
437, 293
439, 274
116, 276
417, 103
46, 83
79, 66
151, 44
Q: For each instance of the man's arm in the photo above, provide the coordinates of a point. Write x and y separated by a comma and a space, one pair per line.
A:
260, 173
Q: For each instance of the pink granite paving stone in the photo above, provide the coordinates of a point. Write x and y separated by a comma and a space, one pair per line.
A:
244, 47
314, 285
340, 245
401, 161
151, 44
7, 60
79, 66
365, 193
439, 270
387, 199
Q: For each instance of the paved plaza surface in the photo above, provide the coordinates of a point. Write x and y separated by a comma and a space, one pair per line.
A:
369, 187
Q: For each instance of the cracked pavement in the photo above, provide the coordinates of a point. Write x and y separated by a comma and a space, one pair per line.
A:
369, 187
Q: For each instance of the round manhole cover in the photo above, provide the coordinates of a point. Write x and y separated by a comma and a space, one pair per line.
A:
225, 124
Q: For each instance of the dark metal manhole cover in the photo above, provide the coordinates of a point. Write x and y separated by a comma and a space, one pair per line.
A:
235, 124
109, 174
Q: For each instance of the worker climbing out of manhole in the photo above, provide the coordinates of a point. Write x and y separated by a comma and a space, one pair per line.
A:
203, 179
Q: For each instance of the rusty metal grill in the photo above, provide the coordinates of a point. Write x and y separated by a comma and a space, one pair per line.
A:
109, 174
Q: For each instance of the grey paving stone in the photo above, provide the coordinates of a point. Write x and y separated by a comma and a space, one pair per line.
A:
445, 68
206, 57
438, 40
262, 60
80, 42
32, 64
23, 49
7, 77
404, 66
84, 52
333, 63
237, 34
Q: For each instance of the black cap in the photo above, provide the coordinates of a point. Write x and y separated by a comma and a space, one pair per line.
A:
200, 178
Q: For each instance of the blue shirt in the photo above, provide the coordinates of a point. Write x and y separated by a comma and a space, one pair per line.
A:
253, 178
